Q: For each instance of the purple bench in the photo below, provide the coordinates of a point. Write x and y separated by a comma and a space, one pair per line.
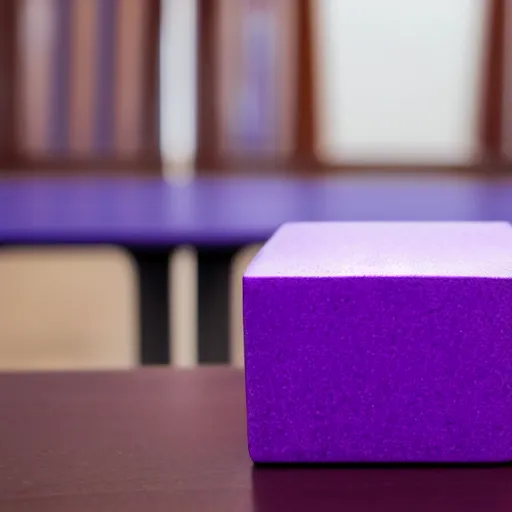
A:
151, 217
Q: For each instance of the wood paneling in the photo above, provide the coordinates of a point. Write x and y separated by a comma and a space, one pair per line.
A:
150, 101
83, 75
223, 87
207, 158
212, 156
36, 40
8, 25
102, 107
86, 89
132, 23
305, 134
491, 132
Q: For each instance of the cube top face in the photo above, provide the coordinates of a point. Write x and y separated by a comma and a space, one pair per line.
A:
331, 249
355, 357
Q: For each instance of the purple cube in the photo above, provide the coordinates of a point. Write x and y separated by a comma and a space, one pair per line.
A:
380, 342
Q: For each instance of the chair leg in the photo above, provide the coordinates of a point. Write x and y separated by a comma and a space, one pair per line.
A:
154, 302
214, 268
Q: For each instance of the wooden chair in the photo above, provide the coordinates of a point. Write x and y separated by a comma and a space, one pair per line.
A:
492, 146
84, 95
78, 96
219, 55
80, 87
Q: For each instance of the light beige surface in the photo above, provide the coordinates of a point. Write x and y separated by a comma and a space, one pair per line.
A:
183, 310
67, 308
77, 308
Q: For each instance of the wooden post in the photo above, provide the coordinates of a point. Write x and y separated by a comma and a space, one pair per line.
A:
305, 131
8, 48
207, 111
491, 126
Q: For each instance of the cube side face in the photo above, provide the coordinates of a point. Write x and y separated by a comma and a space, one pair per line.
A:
376, 369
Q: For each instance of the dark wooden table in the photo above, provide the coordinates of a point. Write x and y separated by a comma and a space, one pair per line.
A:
175, 441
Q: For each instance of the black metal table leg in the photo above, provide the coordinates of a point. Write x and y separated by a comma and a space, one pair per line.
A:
153, 272
214, 267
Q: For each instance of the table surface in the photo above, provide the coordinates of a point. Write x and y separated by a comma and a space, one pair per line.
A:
175, 440
228, 211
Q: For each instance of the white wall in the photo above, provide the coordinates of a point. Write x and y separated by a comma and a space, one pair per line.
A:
178, 85
399, 79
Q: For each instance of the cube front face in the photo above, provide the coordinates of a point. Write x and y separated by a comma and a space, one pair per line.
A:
378, 369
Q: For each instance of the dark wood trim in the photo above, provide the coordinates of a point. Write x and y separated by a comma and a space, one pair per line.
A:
149, 165
491, 125
304, 168
305, 129
8, 79
477, 169
104, 125
207, 86
151, 103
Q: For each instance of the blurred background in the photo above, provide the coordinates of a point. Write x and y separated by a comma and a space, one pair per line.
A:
192, 89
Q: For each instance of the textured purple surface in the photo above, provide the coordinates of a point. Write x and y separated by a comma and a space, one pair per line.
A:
229, 211
409, 363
